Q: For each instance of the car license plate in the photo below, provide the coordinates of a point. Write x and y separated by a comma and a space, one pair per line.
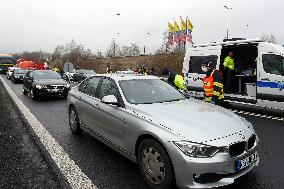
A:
247, 161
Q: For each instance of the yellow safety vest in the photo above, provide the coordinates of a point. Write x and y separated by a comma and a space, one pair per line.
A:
229, 63
179, 82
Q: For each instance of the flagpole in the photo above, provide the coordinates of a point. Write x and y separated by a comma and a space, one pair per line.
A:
185, 34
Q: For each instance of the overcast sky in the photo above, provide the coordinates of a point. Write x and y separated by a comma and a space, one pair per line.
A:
31, 25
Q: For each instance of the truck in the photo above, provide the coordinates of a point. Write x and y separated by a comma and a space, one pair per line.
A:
6, 61
259, 76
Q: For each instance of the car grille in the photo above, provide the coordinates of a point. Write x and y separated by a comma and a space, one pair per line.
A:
237, 149
241, 147
54, 86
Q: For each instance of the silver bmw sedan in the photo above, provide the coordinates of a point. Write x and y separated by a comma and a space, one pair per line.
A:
174, 140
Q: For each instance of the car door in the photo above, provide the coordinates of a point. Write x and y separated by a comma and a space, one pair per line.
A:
87, 104
112, 118
270, 84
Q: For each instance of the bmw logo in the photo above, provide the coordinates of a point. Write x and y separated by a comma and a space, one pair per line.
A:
242, 136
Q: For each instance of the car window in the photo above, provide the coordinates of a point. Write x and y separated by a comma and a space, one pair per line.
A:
108, 87
195, 63
89, 86
144, 91
273, 64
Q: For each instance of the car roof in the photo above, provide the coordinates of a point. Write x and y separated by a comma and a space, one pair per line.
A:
121, 76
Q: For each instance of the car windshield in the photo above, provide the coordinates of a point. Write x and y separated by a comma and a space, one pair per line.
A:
19, 71
46, 75
146, 91
86, 71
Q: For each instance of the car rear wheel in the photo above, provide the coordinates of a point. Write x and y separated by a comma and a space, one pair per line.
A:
74, 122
155, 165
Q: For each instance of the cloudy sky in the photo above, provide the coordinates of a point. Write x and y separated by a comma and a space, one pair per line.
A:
31, 25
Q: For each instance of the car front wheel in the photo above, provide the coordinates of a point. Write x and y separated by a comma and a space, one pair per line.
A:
24, 91
74, 123
155, 165
33, 94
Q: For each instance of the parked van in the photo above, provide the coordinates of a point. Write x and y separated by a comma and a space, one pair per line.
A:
259, 75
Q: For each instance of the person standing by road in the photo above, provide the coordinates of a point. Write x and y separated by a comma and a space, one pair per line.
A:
212, 84
229, 67
145, 70
174, 79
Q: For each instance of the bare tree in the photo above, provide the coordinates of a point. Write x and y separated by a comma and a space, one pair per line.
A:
165, 47
71, 52
113, 50
132, 50
268, 38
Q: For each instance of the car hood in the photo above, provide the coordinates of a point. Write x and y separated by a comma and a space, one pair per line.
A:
192, 119
50, 82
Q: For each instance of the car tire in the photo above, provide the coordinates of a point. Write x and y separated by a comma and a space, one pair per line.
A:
25, 92
33, 95
155, 165
74, 121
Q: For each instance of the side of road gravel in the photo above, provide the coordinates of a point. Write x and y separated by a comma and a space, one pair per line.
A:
22, 164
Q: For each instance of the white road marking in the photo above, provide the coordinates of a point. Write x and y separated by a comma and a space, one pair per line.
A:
76, 178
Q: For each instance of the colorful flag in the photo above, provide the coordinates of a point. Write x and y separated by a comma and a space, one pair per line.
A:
171, 27
183, 31
189, 26
177, 32
171, 33
189, 37
183, 24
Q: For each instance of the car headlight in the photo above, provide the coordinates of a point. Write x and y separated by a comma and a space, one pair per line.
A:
199, 150
40, 87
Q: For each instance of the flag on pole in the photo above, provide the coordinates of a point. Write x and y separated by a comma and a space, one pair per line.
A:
183, 24
183, 31
189, 37
171, 33
171, 27
177, 32
189, 26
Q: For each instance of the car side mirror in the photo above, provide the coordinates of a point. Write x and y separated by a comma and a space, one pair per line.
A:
110, 99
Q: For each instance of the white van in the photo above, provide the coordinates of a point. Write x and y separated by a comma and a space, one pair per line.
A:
265, 88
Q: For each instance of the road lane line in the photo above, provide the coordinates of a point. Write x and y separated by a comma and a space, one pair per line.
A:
74, 175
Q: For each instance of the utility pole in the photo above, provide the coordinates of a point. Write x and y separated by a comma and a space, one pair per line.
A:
228, 9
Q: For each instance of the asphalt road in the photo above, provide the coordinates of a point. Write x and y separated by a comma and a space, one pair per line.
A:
108, 169
22, 163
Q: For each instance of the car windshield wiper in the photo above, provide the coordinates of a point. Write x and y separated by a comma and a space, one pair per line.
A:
172, 100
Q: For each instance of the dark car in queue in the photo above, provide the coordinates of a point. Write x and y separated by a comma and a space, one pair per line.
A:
82, 74
44, 83
18, 75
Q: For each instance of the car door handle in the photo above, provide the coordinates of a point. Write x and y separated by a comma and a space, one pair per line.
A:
265, 79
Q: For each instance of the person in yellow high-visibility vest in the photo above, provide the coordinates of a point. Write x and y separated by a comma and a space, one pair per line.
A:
174, 79
229, 67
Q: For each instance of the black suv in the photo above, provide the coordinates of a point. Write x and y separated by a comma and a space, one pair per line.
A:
40, 83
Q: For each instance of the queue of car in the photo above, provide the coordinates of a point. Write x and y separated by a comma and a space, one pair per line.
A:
175, 140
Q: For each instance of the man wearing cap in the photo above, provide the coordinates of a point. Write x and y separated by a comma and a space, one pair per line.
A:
212, 84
